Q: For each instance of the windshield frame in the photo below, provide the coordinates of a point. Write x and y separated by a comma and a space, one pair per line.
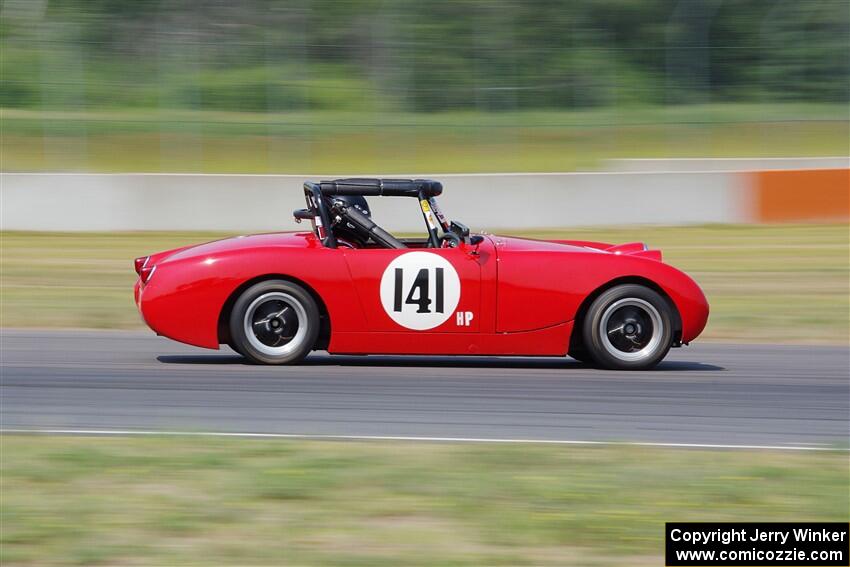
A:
434, 219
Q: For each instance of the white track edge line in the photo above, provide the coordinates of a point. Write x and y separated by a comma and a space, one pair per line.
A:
152, 433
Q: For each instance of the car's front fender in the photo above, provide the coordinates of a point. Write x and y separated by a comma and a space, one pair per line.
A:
538, 289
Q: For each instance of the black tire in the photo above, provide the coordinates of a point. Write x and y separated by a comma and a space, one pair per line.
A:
234, 347
628, 327
581, 355
284, 323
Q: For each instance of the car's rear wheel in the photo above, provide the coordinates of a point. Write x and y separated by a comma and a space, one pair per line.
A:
274, 322
628, 327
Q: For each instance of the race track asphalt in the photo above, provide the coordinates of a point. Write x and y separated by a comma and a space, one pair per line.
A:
708, 393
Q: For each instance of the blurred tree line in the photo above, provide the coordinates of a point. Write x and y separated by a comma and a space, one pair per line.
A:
409, 55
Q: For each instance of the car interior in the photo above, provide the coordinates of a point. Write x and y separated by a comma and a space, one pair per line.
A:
351, 228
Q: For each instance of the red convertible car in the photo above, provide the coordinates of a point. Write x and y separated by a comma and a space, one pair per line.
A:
350, 287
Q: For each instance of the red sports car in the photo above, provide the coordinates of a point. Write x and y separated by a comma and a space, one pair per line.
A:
350, 287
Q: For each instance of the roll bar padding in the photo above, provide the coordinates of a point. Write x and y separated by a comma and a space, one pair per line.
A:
382, 187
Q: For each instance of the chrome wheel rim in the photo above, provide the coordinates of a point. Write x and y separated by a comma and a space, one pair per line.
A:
275, 324
631, 329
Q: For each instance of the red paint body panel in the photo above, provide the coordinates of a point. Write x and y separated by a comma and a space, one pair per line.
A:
544, 283
367, 267
186, 294
552, 341
523, 294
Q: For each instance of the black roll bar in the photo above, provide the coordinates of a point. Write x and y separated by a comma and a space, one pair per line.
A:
382, 187
323, 218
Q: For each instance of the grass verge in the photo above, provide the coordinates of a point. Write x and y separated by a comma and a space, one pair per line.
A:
202, 501
446, 142
765, 283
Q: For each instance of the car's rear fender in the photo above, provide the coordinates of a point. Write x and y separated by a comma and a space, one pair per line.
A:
187, 295
227, 308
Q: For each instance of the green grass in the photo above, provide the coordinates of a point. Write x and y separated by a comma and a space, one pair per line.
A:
199, 501
358, 142
786, 283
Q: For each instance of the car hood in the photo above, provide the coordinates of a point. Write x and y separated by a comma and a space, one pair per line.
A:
514, 243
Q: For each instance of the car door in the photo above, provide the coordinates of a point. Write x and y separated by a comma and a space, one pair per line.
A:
417, 291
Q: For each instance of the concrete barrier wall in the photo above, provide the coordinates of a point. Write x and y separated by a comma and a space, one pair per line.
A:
105, 202
726, 164
800, 195
112, 202
779, 189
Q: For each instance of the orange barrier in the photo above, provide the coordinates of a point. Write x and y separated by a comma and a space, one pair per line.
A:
801, 195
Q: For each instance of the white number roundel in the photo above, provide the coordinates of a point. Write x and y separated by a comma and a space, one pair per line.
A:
420, 290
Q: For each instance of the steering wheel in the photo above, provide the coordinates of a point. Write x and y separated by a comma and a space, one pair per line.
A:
450, 240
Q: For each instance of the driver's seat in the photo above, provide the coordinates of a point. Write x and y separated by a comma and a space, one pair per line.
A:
365, 227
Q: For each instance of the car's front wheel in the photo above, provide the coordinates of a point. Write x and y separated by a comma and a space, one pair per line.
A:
274, 322
628, 327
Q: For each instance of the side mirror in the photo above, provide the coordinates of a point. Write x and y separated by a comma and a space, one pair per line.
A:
474, 241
